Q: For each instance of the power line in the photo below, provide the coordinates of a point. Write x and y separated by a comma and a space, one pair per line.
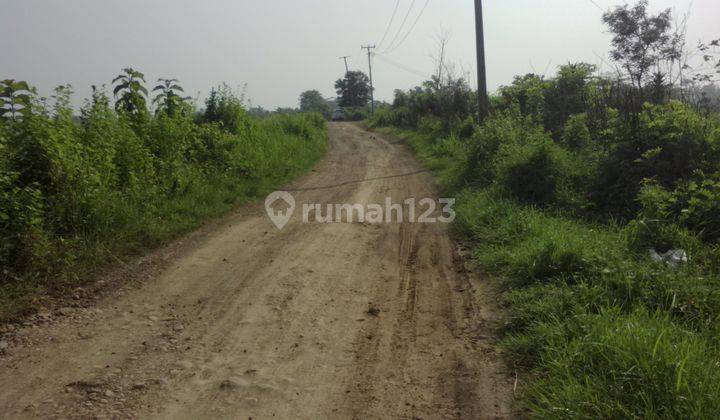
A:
392, 19
402, 66
402, 25
597, 5
412, 27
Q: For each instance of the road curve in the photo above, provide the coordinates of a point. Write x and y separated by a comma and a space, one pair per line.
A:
242, 320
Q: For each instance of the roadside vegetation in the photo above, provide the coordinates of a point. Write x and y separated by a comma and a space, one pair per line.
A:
79, 191
596, 198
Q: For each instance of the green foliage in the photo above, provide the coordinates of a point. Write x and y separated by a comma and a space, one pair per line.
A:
225, 107
168, 100
564, 190
641, 42
567, 95
576, 135
669, 218
355, 113
527, 95
393, 117
132, 94
532, 169
353, 90
587, 318
313, 101
670, 143
599, 328
637, 365
451, 102
501, 128
697, 206
14, 98
73, 192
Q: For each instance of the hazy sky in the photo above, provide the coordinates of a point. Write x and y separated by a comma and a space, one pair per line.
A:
282, 47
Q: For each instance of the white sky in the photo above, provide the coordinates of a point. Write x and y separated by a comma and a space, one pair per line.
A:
282, 47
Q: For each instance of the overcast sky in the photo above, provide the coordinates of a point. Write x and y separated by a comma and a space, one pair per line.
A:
283, 47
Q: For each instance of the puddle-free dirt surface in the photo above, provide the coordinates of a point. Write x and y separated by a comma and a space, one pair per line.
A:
242, 320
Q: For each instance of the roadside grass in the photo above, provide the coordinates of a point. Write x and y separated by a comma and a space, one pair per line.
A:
444, 156
279, 149
593, 325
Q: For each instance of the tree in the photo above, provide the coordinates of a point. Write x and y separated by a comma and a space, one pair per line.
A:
168, 100
313, 101
566, 95
354, 89
641, 43
131, 90
711, 56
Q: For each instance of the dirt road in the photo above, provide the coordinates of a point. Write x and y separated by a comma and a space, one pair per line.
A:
240, 319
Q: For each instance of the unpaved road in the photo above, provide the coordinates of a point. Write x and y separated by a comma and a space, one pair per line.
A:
241, 320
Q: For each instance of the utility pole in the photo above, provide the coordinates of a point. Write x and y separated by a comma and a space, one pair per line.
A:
483, 103
372, 96
345, 57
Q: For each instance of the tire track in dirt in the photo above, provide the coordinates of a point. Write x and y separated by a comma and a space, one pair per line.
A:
242, 320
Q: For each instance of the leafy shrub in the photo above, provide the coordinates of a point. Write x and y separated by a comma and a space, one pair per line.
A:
355, 113
431, 125
669, 144
21, 224
656, 227
527, 96
697, 204
500, 128
72, 191
466, 128
576, 135
566, 95
391, 117
450, 101
226, 108
531, 169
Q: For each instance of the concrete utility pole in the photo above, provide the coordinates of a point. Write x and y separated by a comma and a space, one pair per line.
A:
483, 103
372, 96
345, 57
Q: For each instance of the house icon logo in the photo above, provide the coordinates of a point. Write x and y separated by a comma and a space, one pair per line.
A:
280, 206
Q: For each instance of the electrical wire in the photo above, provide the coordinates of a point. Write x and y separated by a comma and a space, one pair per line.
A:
402, 25
401, 66
392, 19
597, 5
411, 28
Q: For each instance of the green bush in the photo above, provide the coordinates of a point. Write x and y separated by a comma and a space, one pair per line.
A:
670, 143
697, 206
355, 113
532, 169
225, 107
483, 147
576, 135
431, 125
655, 226
72, 192
527, 96
393, 117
